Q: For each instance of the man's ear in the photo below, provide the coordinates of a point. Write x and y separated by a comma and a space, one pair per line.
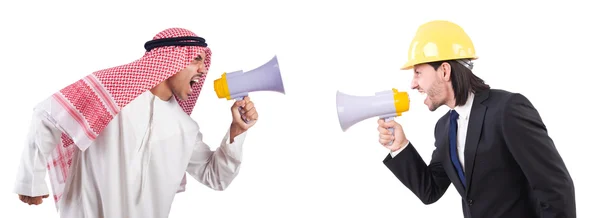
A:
446, 71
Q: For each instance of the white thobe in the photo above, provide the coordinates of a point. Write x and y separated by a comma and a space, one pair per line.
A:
135, 166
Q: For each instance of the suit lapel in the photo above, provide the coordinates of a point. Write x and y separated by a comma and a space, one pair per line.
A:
448, 166
473, 133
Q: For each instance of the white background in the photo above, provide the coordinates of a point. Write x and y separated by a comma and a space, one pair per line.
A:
297, 161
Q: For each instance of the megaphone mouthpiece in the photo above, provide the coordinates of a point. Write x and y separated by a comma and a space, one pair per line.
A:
401, 101
221, 86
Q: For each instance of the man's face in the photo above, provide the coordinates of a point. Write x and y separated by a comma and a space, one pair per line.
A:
433, 83
182, 82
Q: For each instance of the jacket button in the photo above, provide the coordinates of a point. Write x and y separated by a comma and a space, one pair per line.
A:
470, 202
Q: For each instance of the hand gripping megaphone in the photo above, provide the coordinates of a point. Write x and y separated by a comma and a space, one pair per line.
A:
385, 104
236, 85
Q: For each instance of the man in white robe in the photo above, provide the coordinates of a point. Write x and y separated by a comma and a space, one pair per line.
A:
134, 137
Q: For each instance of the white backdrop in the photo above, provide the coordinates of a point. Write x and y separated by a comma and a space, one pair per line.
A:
297, 161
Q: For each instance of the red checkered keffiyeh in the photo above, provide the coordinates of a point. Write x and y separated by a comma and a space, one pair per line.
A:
88, 105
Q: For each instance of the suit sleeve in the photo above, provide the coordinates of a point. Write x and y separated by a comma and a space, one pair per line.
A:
528, 141
427, 182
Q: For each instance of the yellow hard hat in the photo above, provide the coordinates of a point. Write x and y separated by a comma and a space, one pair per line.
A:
437, 41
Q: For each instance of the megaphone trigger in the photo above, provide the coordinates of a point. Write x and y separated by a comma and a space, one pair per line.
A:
391, 129
241, 110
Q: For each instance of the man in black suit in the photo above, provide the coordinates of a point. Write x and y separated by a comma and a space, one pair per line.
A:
492, 144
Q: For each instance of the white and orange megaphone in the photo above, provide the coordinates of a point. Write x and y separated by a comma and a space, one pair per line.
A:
236, 85
385, 104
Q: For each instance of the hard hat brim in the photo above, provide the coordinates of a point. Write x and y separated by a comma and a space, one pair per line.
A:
410, 65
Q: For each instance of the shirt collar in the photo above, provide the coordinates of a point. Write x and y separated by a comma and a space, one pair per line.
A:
464, 110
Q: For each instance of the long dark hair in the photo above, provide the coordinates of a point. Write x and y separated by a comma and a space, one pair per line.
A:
463, 80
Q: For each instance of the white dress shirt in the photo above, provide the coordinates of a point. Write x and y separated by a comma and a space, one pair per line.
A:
464, 112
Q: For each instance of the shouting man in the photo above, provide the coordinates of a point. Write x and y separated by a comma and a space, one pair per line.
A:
118, 142
492, 144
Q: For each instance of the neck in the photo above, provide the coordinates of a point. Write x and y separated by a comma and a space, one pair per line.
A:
451, 103
162, 91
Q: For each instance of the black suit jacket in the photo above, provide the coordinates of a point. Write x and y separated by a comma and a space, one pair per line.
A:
512, 167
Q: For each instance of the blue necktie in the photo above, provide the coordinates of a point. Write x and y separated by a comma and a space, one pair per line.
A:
453, 149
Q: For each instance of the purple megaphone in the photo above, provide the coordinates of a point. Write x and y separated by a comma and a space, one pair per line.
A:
236, 85
385, 104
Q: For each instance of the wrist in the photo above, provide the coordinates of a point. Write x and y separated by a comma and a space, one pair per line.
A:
234, 130
401, 145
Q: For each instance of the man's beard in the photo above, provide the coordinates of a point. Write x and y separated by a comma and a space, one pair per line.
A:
433, 92
434, 106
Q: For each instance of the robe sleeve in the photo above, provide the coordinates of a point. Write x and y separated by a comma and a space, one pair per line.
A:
216, 169
41, 140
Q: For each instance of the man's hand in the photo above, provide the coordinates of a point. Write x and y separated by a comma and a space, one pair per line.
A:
248, 112
385, 136
32, 200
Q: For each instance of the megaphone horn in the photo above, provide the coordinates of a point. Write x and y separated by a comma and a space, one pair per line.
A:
236, 85
385, 104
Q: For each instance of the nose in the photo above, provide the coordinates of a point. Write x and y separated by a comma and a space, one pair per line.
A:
414, 84
202, 69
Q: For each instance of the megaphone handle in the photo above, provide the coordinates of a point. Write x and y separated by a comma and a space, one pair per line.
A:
390, 129
241, 110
